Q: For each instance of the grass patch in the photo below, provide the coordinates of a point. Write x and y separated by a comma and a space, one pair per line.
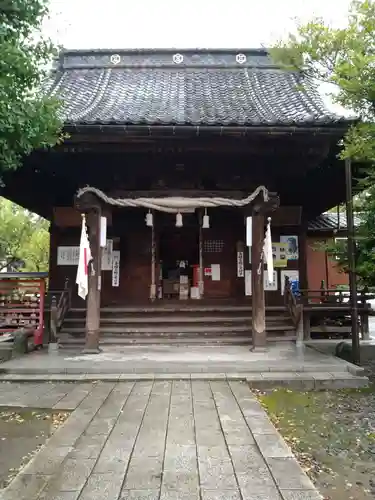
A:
332, 434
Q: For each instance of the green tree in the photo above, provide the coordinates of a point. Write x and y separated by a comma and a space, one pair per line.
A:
28, 118
35, 252
345, 58
23, 237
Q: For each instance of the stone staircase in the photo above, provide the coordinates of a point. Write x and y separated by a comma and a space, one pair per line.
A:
179, 324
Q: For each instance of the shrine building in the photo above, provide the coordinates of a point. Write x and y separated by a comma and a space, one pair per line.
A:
185, 153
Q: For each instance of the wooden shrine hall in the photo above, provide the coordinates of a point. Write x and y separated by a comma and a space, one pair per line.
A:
178, 150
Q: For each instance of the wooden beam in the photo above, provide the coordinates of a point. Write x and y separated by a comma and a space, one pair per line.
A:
94, 284
303, 277
258, 299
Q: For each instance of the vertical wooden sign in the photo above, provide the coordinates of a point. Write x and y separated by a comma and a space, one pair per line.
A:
116, 268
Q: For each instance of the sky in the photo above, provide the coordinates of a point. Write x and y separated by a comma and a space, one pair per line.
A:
84, 24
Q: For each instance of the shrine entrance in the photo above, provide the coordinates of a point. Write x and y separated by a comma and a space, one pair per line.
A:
178, 262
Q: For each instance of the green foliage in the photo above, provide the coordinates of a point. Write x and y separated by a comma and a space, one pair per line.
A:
28, 120
345, 58
365, 241
23, 236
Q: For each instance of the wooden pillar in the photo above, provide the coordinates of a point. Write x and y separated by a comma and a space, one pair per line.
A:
257, 283
303, 278
94, 283
53, 245
200, 271
153, 263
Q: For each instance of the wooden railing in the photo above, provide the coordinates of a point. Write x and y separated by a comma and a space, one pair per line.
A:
294, 308
60, 305
334, 296
327, 311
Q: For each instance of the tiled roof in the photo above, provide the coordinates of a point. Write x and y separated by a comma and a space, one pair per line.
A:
185, 87
329, 221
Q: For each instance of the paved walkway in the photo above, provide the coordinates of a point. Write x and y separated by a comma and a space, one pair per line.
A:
179, 359
284, 364
157, 440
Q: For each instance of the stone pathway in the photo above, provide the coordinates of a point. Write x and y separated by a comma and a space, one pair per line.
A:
157, 440
297, 367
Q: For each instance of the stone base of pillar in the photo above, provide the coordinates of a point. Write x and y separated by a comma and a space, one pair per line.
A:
259, 349
259, 338
96, 350
53, 348
92, 342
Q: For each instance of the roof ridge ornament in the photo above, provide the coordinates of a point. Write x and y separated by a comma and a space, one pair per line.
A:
241, 58
178, 58
115, 58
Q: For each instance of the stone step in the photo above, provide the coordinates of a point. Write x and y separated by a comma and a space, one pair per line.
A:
256, 380
176, 329
168, 359
180, 308
172, 318
68, 341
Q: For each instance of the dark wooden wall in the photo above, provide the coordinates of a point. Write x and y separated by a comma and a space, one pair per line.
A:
132, 237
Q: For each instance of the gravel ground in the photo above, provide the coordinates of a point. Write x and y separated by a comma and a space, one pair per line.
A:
333, 435
22, 434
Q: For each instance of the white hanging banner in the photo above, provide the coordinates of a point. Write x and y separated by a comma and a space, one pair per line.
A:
82, 279
240, 265
267, 251
116, 268
248, 287
103, 231
249, 231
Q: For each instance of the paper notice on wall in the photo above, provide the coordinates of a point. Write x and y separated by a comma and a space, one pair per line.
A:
279, 254
292, 275
240, 265
215, 272
116, 268
270, 286
291, 243
107, 256
67, 256
248, 282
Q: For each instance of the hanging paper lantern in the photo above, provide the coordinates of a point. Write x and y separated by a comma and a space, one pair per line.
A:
206, 221
179, 222
149, 219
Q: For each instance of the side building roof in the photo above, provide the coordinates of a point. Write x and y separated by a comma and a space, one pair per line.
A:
197, 87
330, 221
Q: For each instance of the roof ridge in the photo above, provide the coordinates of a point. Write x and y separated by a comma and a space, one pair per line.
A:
178, 58
172, 50
191, 90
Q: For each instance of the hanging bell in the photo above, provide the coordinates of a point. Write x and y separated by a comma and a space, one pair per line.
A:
149, 219
206, 221
179, 222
